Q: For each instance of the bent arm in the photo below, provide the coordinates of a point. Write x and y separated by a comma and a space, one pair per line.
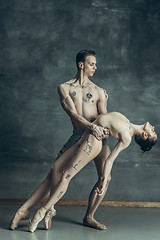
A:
102, 103
69, 107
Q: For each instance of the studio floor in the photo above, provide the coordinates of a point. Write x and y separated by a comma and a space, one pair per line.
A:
122, 224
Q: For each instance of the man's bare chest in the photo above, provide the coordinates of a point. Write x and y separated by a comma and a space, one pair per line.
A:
84, 94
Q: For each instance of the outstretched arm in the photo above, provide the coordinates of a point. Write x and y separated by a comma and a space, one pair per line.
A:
120, 146
68, 105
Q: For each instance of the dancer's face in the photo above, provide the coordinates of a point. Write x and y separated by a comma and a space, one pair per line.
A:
89, 66
149, 129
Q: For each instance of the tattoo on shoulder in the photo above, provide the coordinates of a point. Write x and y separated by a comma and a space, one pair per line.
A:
70, 84
73, 93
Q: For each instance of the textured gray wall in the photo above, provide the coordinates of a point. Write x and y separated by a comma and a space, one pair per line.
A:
38, 42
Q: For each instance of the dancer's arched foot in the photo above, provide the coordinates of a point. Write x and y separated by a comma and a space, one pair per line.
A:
48, 217
36, 219
91, 222
19, 215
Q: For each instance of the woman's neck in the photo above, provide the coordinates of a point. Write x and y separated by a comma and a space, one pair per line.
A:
137, 129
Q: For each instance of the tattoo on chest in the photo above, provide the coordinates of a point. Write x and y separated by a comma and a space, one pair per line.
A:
73, 93
89, 96
88, 148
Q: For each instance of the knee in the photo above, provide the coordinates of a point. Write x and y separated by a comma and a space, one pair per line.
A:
53, 169
54, 172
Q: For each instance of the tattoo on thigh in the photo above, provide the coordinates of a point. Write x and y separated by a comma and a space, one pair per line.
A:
67, 176
76, 164
60, 194
88, 148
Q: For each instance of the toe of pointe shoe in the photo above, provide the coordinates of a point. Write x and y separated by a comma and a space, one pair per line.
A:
12, 226
20, 215
48, 218
32, 227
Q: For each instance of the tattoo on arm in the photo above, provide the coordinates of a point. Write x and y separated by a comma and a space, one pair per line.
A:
89, 96
88, 148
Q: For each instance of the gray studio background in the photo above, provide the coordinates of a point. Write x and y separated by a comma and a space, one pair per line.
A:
38, 43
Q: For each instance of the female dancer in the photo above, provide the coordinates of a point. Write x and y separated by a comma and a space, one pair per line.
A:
86, 149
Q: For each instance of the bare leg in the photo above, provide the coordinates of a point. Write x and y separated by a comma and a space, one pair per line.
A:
95, 198
41, 192
88, 150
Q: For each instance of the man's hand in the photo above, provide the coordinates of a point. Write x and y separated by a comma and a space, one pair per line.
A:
101, 188
99, 132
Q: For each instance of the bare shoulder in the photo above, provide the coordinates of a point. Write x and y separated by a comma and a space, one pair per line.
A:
63, 89
102, 93
99, 89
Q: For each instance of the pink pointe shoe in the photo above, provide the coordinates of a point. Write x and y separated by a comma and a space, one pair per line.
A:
19, 215
36, 219
48, 217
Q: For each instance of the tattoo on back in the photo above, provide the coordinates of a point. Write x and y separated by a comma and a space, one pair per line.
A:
88, 148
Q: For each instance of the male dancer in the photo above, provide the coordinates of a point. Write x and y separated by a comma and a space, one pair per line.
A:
83, 101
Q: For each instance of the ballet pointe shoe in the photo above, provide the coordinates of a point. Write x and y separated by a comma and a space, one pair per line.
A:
48, 217
19, 215
36, 219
